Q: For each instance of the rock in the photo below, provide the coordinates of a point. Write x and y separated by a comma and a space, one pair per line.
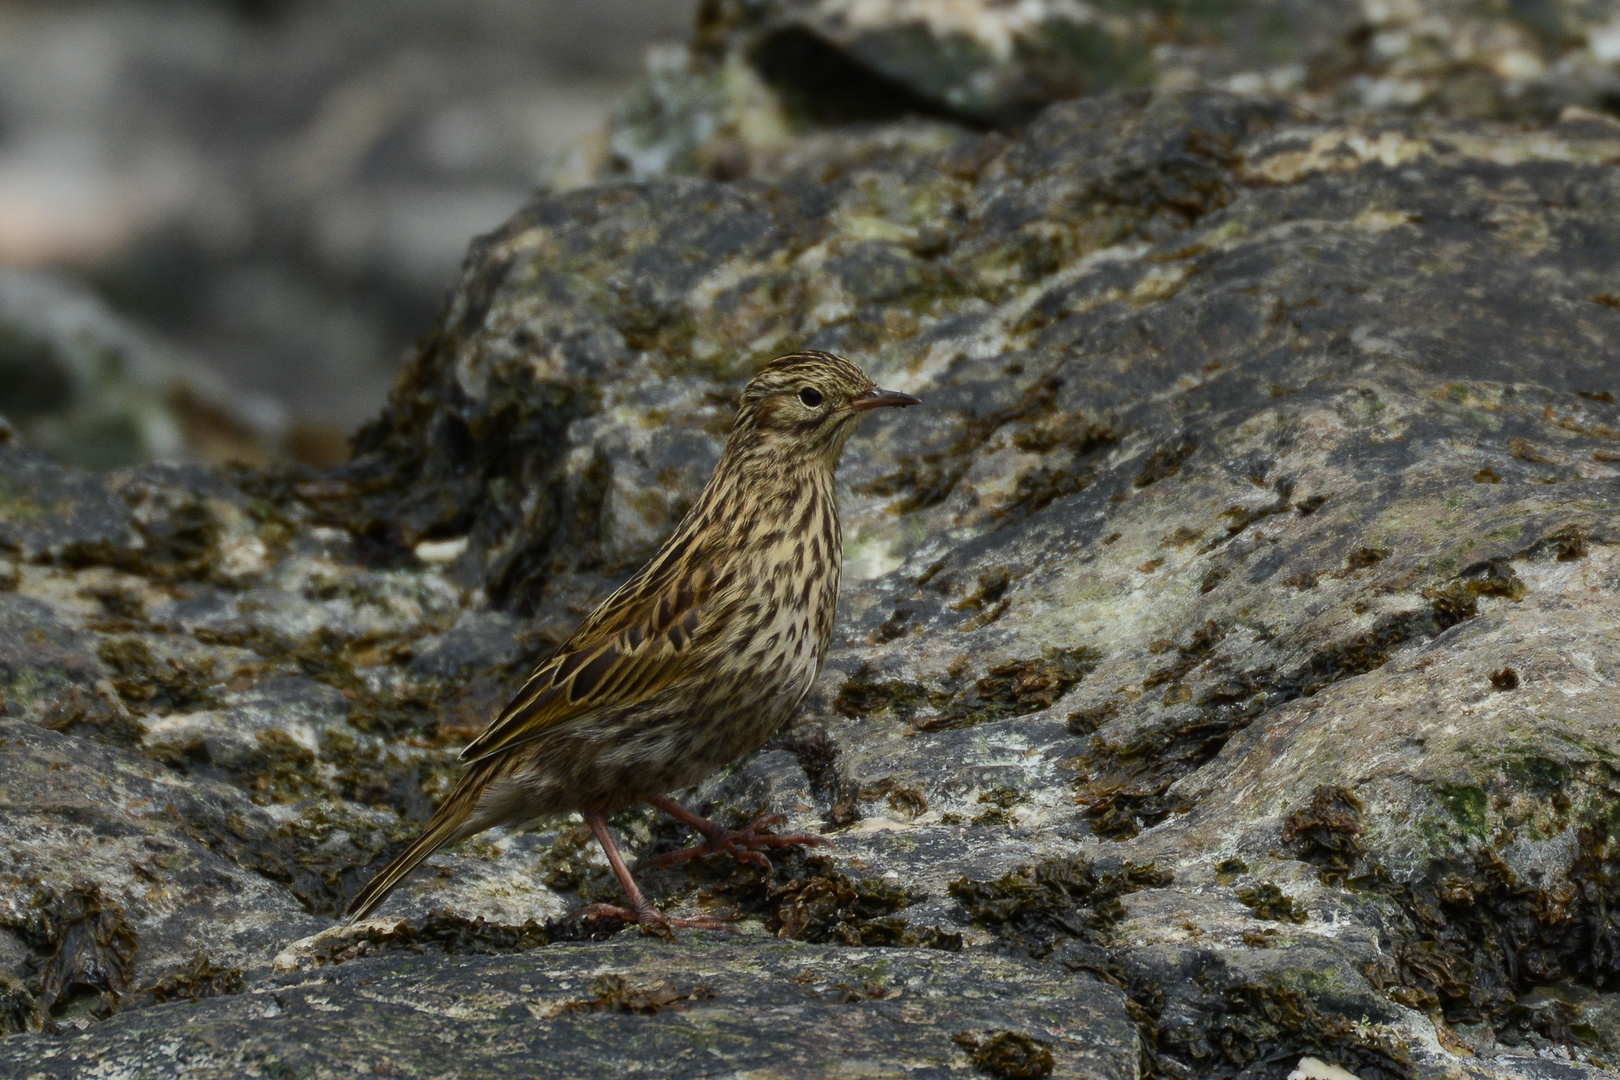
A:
1310, 1068
598, 1011
1224, 660
82, 819
759, 72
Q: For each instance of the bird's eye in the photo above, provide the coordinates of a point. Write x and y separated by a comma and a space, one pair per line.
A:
810, 396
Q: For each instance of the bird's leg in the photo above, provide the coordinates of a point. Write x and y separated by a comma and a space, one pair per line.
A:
740, 844
641, 911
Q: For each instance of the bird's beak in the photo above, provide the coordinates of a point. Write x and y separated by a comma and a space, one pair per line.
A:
877, 398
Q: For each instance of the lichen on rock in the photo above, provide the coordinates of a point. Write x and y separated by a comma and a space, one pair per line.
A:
1167, 730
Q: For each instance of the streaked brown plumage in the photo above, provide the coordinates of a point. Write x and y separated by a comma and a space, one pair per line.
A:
697, 659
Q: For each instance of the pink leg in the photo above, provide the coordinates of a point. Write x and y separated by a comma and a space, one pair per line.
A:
740, 844
641, 911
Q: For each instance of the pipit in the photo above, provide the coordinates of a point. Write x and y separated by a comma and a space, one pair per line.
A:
696, 660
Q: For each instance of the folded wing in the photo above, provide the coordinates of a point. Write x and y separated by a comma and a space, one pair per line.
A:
639, 642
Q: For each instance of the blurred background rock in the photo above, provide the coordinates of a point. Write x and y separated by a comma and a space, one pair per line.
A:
224, 220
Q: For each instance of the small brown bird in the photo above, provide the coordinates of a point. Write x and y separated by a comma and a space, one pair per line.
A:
696, 660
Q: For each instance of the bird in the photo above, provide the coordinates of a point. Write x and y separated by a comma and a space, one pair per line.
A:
695, 661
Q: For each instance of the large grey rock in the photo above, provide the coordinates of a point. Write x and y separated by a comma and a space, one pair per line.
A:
1233, 626
694, 1009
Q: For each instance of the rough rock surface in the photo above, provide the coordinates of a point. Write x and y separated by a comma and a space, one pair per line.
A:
760, 74
636, 1009
1227, 657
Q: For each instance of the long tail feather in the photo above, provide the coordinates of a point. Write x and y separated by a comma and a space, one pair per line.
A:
449, 824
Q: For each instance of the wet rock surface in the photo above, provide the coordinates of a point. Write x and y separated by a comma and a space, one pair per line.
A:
1226, 664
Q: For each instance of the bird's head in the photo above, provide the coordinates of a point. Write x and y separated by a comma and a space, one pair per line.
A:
806, 405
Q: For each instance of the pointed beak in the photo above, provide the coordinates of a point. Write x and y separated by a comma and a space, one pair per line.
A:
878, 398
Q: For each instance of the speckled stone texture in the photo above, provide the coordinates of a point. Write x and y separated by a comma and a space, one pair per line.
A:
1226, 669
694, 1009
773, 86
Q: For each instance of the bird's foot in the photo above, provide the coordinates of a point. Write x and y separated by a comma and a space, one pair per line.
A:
641, 912
653, 921
741, 844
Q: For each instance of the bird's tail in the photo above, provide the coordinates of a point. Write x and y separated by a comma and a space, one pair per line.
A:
450, 823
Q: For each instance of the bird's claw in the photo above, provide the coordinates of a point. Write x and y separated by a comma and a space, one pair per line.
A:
654, 922
741, 844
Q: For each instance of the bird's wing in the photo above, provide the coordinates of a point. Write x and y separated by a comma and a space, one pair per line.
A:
637, 643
